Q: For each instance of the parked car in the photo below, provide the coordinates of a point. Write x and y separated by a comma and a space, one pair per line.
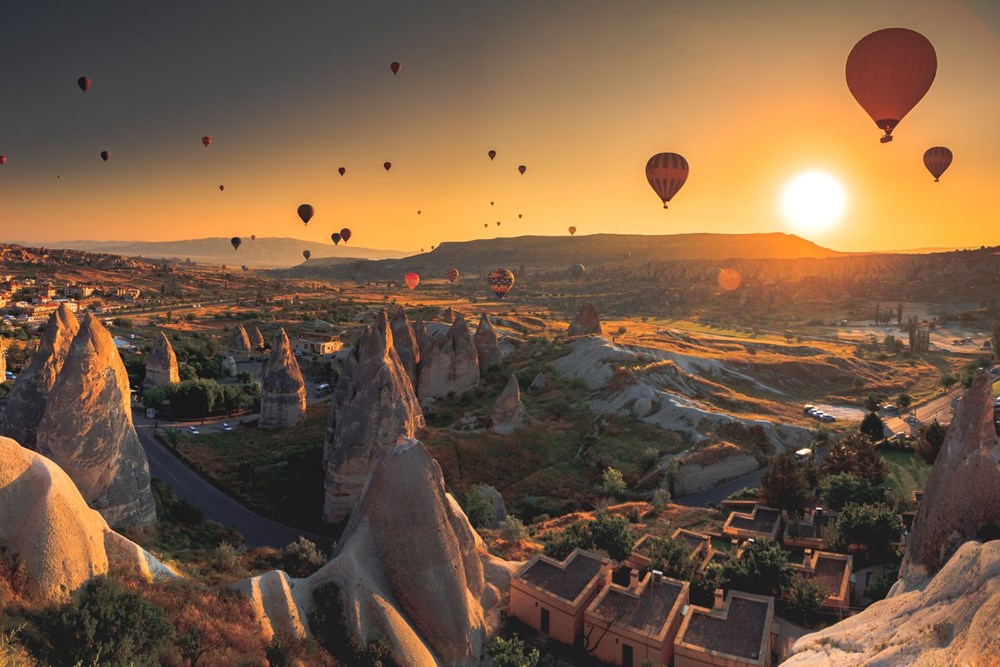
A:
10, 376
828, 418
192, 430
808, 407
890, 409
226, 426
803, 455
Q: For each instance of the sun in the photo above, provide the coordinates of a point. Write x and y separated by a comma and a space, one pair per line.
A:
813, 201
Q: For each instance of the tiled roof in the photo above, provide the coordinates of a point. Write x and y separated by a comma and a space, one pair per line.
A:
739, 634
566, 581
762, 520
647, 612
829, 574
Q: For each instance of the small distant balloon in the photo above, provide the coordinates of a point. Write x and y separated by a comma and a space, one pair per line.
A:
345, 234
342, 171
572, 230
395, 67
84, 83
306, 254
418, 211
422, 250
221, 188
491, 203
729, 279
244, 267
492, 154
3, 160
577, 271
237, 242
253, 237
519, 216
206, 141
387, 165
412, 280
105, 155
937, 160
335, 237
451, 275
522, 169
306, 212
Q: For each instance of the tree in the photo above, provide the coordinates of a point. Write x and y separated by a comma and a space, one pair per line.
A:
858, 456
512, 530
874, 525
905, 401
784, 485
948, 380
671, 557
873, 426
872, 403
842, 488
931, 439
302, 557
613, 535
995, 331
859, 384
612, 483
511, 653
478, 508
804, 597
762, 568
899, 314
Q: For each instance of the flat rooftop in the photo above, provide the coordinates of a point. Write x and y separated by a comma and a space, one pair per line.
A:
762, 520
829, 574
647, 612
739, 634
566, 581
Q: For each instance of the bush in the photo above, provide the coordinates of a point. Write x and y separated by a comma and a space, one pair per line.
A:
873, 426
512, 530
511, 653
931, 439
804, 597
763, 568
784, 485
661, 498
226, 557
858, 456
478, 508
842, 488
301, 558
612, 483
874, 525
672, 558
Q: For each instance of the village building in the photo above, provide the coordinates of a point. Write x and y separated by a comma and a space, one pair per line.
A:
808, 533
832, 573
307, 342
762, 522
734, 633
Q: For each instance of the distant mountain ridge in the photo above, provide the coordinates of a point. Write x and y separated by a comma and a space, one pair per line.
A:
264, 252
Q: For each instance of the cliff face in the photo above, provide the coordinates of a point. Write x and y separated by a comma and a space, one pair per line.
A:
240, 347
87, 430
404, 340
449, 363
161, 364
31, 391
283, 392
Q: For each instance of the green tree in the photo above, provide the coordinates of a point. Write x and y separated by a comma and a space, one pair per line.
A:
905, 401
873, 426
612, 483
478, 508
804, 597
859, 384
931, 440
873, 402
613, 535
672, 558
511, 652
301, 558
762, 568
858, 456
948, 380
512, 530
842, 488
784, 485
874, 525
995, 336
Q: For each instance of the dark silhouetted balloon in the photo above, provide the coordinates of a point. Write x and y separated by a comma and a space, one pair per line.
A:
485, 225
345, 234
342, 171
451, 275
577, 271
84, 83
306, 212
387, 165
335, 237
937, 160
206, 141
492, 154
498, 223
253, 237
418, 211
244, 267
412, 280
491, 203
105, 155
306, 254
394, 67
221, 188
888, 72
500, 282
519, 216
572, 230
666, 173
522, 169
237, 242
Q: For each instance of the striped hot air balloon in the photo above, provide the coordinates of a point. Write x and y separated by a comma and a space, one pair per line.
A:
937, 160
666, 173
500, 281
451, 275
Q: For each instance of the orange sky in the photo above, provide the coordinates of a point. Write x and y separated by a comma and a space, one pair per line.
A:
751, 93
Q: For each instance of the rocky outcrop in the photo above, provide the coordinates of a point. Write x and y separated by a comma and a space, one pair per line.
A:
161, 364
410, 570
498, 508
954, 619
3, 361
405, 341
712, 466
229, 368
448, 364
240, 348
448, 315
962, 497
256, 339
283, 391
47, 525
586, 322
509, 412
538, 385
373, 405
87, 430
487, 344
31, 391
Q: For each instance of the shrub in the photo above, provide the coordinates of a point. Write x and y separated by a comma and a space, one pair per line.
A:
612, 483
804, 597
874, 525
763, 568
512, 530
301, 558
842, 488
226, 557
661, 498
511, 653
478, 508
931, 439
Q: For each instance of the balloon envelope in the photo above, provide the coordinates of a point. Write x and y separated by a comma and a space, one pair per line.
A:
492, 154
3, 160
345, 234
237, 242
572, 230
387, 165
206, 141
937, 160
253, 237
500, 282
306, 212
306, 254
729, 279
335, 237
411, 279
888, 72
451, 275
84, 83
522, 169
105, 155
221, 188
577, 271
342, 171
395, 67
666, 173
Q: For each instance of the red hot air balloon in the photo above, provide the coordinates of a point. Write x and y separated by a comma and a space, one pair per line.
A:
412, 280
500, 282
666, 173
105, 155
342, 171
572, 230
522, 169
237, 242
394, 67
937, 160
3, 160
335, 237
492, 154
306, 254
84, 83
206, 141
387, 165
451, 275
306, 212
345, 234
253, 237
888, 72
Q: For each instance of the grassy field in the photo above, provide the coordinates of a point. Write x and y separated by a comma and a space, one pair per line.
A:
907, 473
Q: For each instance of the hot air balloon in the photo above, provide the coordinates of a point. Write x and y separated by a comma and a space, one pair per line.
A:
253, 237
572, 230
345, 234
491, 203
888, 72
418, 211
492, 154
451, 275
500, 281
342, 171
394, 66
206, 141
498, 223
421, 250
306, 254
666, 173
522, 169
3, 160
237, 242
105, 155
519, 216
84, 83
244, 267
485, 225
306, 212
937, 160
387, 165
577, 271
411, 280
335, 237
222, 188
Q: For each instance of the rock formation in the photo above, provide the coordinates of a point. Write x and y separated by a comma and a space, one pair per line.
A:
283, 392
256, 339
962, 497
87, 430
405, 341
448, 364
46, 524
3, 361
410, 569
538, 385
27, 400
448, 315
240, 348
373, 405
229, 366
586, 322
952, 620
498, 511
508, 411
487, 344
161, 364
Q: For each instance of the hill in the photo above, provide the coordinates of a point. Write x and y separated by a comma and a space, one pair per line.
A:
264, 252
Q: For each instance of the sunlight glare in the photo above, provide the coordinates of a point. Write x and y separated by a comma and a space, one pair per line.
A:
813, 201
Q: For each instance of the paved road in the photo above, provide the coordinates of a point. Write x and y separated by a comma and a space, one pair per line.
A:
938, 408
188, 485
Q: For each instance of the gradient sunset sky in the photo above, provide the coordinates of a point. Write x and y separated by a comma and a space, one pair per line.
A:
581, 92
